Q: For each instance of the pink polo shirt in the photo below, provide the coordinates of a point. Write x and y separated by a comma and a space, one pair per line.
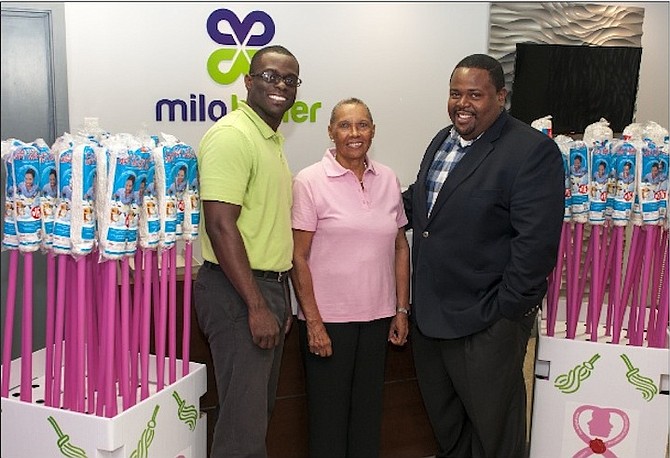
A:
352, 258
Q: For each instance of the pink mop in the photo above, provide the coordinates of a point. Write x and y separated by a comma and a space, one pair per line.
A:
27, 330
646, 273
9, 321
58, 330
186, 333
146, 325
125, 333
49, 331
172, 336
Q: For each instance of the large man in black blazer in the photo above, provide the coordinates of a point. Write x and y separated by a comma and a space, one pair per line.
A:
486, 212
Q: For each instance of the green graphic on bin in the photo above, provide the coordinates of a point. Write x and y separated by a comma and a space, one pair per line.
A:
186, 413
66, 448
142, 450
571, 382
641, 383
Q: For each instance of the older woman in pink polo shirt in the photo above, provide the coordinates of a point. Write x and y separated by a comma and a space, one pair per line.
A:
351, 276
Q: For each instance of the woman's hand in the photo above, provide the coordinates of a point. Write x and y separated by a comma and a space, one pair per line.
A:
318, 340
399, 329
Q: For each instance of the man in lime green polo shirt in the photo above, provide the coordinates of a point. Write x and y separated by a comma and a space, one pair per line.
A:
241, 292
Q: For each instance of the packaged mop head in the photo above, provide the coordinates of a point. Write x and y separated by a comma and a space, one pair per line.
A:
598, 133
663, 163
654, 132
185, 187
192, 210
82, 182
149, 220
48, 191
649, 182
579, 181
544, 125
27, 209
10, 240
564, 143
602, 181
116, 197
62, 150
598, 139
624, 157
634, 131
139, 157
167, 172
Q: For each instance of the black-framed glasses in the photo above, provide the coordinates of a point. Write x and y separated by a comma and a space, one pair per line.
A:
272, 77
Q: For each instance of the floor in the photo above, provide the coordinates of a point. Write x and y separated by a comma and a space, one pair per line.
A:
403, 408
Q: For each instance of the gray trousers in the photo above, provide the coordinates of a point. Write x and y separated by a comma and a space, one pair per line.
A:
474, 390
246, 375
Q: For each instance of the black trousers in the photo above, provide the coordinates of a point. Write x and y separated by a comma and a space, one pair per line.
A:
474, 390
345, 390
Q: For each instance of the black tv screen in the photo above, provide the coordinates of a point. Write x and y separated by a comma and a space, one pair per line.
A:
576, 85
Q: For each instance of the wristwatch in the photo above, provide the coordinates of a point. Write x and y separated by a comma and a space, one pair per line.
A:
402, 310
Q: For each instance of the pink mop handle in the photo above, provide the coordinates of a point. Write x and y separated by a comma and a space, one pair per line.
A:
9, 322
172, 336
110, 324
594, 305
552, 313
630, 273
58, 330
588, 262
160, 330
660, 335
615, 281
91, 330
80, 374
146, 325
646, 274
125, 332
575, 304
27, 330
135, 338
661, 238
49, 331
186, 332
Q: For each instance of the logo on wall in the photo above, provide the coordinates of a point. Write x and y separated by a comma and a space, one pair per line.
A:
235, 49
225, 65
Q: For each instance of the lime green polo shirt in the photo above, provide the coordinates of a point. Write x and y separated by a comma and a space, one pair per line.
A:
241, 162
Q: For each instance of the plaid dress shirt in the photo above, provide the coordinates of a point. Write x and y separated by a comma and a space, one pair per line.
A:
451, 151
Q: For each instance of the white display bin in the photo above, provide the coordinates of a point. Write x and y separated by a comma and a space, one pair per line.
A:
154, 427
598, 398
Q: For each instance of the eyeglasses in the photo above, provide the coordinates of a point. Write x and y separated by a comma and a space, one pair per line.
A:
271, 77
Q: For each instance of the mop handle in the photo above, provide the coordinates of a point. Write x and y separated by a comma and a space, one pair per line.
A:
9, 322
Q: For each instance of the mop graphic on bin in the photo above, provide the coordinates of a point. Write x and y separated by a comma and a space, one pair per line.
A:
64, 445
641, 383
142, 450
571, 382
186, 413
600, 427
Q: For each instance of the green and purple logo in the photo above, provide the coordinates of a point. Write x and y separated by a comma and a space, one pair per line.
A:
236, 46
237, 49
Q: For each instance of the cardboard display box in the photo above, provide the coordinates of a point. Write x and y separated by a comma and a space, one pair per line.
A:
593, 398
168, 424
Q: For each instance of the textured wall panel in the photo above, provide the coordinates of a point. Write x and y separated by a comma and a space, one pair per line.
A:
560, 23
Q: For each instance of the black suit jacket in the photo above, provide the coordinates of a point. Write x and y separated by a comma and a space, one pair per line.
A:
492, 237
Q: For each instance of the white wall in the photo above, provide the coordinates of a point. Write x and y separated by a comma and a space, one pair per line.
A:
397, 57
652, 96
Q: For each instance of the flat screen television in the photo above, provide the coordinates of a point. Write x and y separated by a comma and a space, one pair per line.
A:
576, 85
